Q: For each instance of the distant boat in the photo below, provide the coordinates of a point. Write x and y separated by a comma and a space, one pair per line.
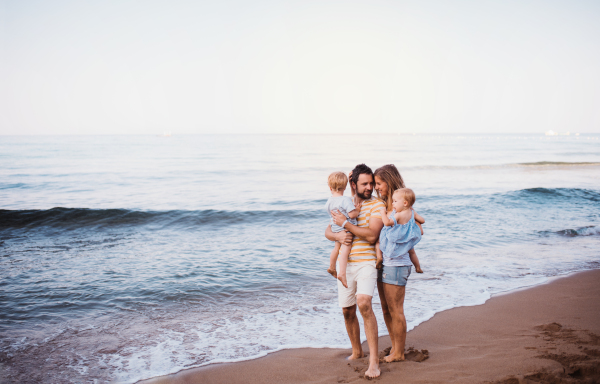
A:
552, 133
167, 134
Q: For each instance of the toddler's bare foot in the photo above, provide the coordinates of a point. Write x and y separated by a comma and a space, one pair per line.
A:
342, 278
332, 272
418, 270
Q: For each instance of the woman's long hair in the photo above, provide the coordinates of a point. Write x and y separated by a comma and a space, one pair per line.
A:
390, 175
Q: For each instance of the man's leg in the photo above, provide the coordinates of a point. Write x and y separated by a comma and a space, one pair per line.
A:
394, 296
366, 310
353, 330
387, 317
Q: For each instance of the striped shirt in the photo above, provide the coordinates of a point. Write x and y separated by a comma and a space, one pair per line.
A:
362, 250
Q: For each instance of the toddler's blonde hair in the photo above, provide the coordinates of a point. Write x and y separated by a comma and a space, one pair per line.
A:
407, 194
337, 181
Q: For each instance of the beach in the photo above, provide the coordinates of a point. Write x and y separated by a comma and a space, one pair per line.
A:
548, 333
133, 257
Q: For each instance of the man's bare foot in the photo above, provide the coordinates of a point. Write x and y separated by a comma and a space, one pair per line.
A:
342, 278
332, 272
418, 270
372, 372
393, 357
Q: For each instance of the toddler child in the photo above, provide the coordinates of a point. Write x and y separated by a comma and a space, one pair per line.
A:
401, 232
337, 182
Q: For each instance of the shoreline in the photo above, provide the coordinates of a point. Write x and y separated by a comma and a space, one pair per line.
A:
559, 315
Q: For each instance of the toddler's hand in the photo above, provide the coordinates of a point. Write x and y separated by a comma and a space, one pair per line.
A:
352, 191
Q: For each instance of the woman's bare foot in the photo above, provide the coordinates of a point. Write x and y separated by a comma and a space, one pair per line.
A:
342, 278
393, 357
332, 272
372, 372
355, 355
418, 270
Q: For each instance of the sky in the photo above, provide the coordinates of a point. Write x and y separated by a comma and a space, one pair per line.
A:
299, 67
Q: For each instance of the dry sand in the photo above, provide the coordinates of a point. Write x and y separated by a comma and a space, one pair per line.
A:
548, 334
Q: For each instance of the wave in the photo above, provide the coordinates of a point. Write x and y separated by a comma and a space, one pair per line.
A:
555, 163
281, 212
528, 195
590, 230
72, 218
561, 193
537, 164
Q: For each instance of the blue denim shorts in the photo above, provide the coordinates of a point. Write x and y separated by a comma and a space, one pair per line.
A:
394, 275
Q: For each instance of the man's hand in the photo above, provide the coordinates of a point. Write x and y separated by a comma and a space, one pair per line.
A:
344, 237
338, 218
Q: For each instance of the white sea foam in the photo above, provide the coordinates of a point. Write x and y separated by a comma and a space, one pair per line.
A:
319, 326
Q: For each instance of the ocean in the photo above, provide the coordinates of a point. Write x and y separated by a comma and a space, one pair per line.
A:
128, 257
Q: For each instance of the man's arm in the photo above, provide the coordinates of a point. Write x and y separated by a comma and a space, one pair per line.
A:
342, 237
370, 233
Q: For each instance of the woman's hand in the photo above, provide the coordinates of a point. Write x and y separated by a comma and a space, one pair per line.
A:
338, 218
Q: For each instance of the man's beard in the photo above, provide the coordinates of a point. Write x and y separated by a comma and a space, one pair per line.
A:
366, 195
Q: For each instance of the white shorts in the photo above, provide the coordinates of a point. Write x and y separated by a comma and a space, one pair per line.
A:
362, 279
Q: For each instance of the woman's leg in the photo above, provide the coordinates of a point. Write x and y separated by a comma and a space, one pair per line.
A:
394, 296
386, 312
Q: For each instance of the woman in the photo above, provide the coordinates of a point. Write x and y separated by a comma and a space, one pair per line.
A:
391, 280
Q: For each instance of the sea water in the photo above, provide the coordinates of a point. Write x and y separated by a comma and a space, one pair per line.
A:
127, 257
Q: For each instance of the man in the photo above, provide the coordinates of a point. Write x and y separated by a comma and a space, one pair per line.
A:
361, 273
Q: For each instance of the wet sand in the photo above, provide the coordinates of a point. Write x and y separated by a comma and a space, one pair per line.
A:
549, 334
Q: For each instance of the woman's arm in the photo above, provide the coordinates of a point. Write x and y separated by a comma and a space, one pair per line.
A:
419, 224
418, 218
370, 233
342, 237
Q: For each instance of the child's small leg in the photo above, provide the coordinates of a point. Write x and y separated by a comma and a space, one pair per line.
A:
415, 260
333, 258
343, 262
379, 263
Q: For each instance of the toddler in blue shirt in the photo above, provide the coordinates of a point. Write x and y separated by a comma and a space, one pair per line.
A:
401, 232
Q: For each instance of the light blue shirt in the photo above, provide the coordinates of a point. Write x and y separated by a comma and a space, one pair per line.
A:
397, 240
343, 204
